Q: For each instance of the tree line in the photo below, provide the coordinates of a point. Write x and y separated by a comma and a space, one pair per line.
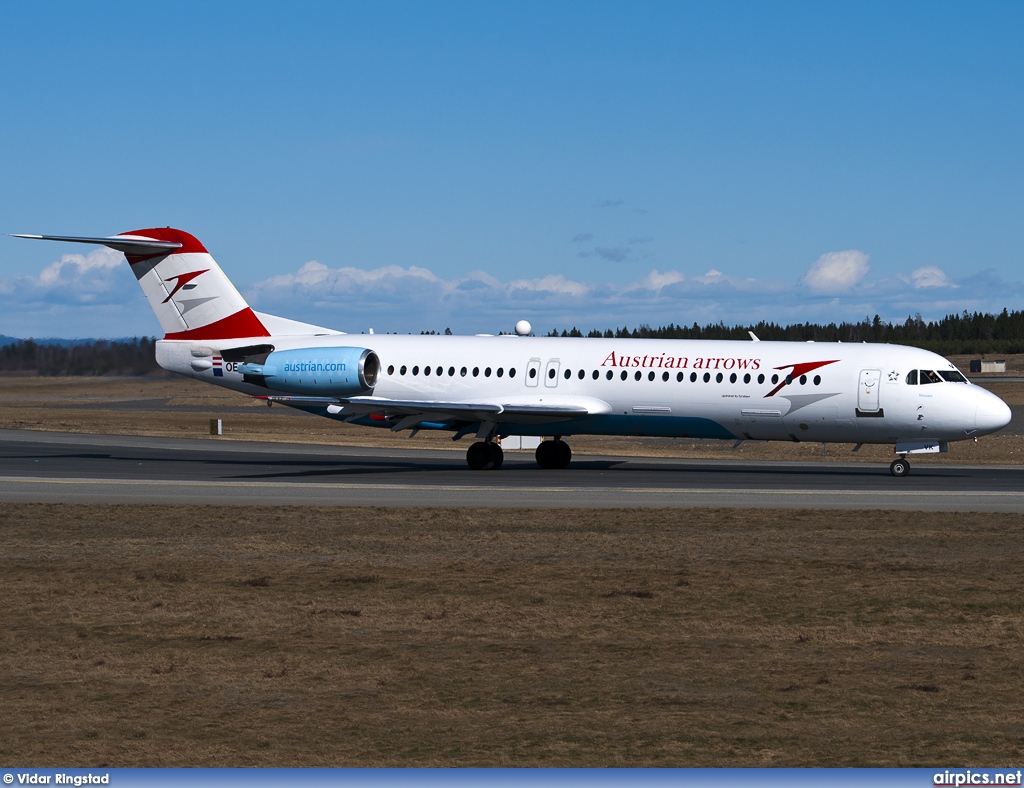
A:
130, 357
956, 334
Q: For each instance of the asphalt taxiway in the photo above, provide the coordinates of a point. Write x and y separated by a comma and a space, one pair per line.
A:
52, 467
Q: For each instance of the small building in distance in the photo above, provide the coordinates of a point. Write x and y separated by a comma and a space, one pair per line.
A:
980, 365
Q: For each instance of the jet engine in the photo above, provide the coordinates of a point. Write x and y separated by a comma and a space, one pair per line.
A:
328, 371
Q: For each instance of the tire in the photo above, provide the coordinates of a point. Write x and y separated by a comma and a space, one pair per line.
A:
553, 454
899, 467
479, 457
546, 454
564, 454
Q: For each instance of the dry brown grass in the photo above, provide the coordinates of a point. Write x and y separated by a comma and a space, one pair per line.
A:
343, 637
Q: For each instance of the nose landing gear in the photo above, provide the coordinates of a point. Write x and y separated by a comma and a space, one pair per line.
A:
899, 467
485, 456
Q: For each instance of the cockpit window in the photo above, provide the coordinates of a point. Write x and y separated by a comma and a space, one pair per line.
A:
912, 377
953, 376
927, 376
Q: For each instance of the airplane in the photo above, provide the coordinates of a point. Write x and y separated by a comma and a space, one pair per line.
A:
495, 386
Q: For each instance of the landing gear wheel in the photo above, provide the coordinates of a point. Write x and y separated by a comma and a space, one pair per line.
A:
553, 454
485, 456
478, 457
564, 454
900, 467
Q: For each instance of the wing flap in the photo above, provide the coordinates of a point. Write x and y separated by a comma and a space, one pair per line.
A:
440, 411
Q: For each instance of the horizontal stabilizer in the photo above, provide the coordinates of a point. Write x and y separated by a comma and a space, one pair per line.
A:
122, 243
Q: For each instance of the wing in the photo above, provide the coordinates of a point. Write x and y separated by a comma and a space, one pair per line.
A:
409, 414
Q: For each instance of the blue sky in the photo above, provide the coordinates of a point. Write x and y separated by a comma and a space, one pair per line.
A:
413, 166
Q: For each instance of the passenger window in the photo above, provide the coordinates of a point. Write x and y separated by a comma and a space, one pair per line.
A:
487, 372
462, 372
623, 375
512, 372
403, 370
581, 374
679, 377
551, 374
440, 370
415, 370
596, 374
732, 378
533, 372
664, 376
500, 372
650, 376
789, 379
608, 374
451, 372
707, 377
803, 380
817, 380
567, 375
718, 378
760, 379
391, 369
637, 375
426, 370
693, 377
746, 378
775, 379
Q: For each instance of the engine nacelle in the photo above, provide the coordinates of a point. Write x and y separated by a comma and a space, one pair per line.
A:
335, 371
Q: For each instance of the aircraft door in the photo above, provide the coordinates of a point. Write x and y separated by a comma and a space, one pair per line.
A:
551, 373
532, 372
867, 391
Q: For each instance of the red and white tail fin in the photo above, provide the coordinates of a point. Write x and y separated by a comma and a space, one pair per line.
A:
191, 296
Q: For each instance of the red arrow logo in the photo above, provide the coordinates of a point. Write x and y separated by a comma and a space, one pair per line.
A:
798, 370
180, 281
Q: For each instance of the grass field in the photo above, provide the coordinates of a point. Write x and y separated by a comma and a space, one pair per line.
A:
366, 637
218, 636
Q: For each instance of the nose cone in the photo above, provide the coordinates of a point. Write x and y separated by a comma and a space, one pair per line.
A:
992, 414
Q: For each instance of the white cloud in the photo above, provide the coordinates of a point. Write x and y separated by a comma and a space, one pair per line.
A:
656, 280
552, 283
837, 272
930, 276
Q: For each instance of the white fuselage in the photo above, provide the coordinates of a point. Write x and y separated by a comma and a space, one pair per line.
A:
854, 393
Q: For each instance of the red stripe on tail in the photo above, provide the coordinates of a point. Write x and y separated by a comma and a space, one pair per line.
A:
243, 323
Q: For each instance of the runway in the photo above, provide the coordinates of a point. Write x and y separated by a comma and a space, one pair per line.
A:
51, 467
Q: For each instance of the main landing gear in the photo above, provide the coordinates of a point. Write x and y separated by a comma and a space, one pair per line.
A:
554, 454
485, 456
488, 456
900, 467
